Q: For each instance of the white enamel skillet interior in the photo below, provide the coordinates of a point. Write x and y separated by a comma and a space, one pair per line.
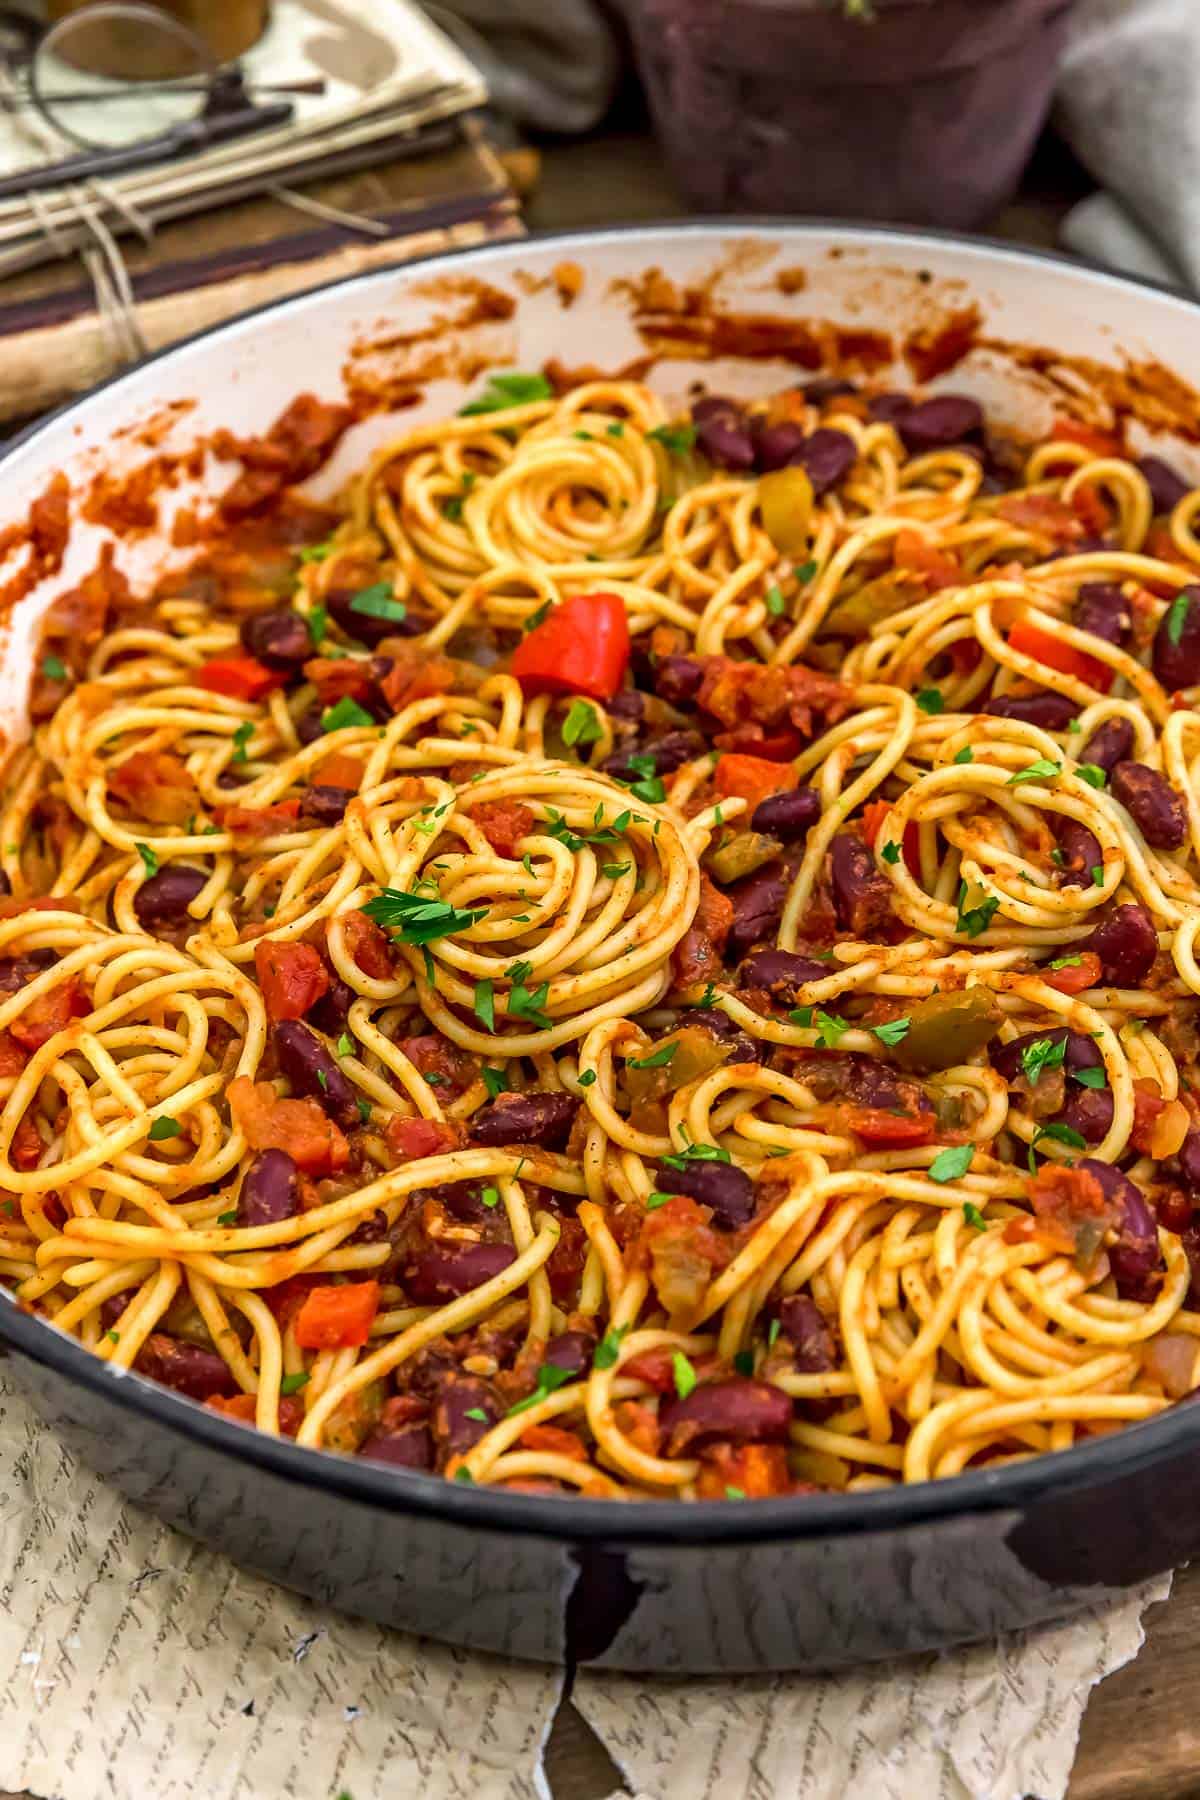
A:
240, 376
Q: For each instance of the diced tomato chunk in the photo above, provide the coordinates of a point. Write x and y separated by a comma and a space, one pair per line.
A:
51, 1013
555, 1440
411, 1139
300, 1127
341, 770
581, 647
503, 823
258, 821
239, 677
291, 976
368, 946
12, 1056
743, 1471
751, 778
337, 1316
1075, 431
27, 1145
1074, 978
156, 786
699, 951
915, 555
876, 1125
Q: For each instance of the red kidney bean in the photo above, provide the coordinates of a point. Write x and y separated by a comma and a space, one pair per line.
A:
1135, 1257
889, 409
739, 1408
1152, 803
165, 898
789, 816
1089, 1111
456, 1397
677, 679
1080, 1053
742, 1047
935, 424
463, 1200
311, 1070
1081, 853
270, 1190
1109, 745
407, 1447
807, 1330
865, 1080
723, 432
449, 1269
628, 704
1176, 654
571, 1350
308, 725
229, 779
112, 1308
16, 971
1126, 943
782, 973
729, 1191
1052, 712
1101, 608
5, 884
535, 1118
826, 458
667, 754
827, 387
424, 1373
1167, 487
324, 805
279, 639
1188, 1159
200, 1374
333, 1008
757, 905
775, 445
361, 626
862, 897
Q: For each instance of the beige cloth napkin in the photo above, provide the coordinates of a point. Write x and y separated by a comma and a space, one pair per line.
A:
136, 1664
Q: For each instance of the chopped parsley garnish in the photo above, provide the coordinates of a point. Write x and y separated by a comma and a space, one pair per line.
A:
1097, 875
416, 919
378, 602
708, 997
973, 1216
890, 852
345, 1045
965, 755
164, 1128
581, 726
494, 1080
774, 601
489, 1197
1043, 1053
322, 1081
149, 859
312, 553
505, 390
1066, 962
805, 572
649, 786
685, 1374
1092, 773
114, 1337
1091, 1078
609, 1347
931, 701
364, 1109
1059, 1134
678, 439
614, 871
291, 1384
893, 1031
463, 1474
657, 1059
347, 712
616, 429
477, 1413
1041, 770
484, 1005
974, 919
801, 1015
695, 1153
228, 1218
536, 617
54, 668
949, 1165
1058, 858
655, 1200
587, 1079
241, 738
550, 1376
743, 1362
833, 1029
527, 1003
432, 1079
773, 1331
1176, 617
735, 1493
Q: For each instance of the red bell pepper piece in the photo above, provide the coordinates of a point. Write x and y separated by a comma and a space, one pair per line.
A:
1030, 640
751, 778
337, 1317
292, 977
239, 677
582, 647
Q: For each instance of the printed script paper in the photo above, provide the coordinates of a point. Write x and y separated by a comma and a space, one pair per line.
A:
137, 1665
999, 1722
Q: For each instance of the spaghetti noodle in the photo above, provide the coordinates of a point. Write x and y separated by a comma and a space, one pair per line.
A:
635, 956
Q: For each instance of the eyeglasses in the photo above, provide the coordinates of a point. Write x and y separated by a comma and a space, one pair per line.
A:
132, 86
